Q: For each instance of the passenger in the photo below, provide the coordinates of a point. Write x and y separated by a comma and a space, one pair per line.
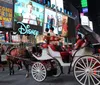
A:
47, 38
52, 31
52, 36
46, 31
85, 42
45, 34
79, 42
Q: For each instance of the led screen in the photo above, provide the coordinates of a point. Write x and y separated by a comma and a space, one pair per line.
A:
53, 19
58, 3
28, 12
64, 25
6, 13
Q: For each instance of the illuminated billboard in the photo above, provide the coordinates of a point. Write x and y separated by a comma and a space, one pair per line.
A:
50, 19
84, 20
6, 13
58, 3
29, 12
28, 17
53, 19
64, 25
84, 3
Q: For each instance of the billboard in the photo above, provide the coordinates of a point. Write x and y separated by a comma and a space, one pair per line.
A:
64, 25
53, 19
84, 20
50, 19
29, 12
6, 13
58, 3
28, 17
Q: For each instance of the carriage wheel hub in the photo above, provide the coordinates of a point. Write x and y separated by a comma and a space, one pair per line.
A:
88, 70
38, 71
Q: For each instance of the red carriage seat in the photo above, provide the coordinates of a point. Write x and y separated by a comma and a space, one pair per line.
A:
99, 50
63, 54
52, 47
45, 45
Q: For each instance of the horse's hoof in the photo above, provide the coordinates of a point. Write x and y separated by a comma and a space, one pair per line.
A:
3, 69
13, 73
27, 75
20, 69
10, 74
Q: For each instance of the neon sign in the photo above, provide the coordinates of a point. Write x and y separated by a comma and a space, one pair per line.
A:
85, 10
84, 3
25, 29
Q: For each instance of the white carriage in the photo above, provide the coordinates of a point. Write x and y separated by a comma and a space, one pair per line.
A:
86, 66
84, 63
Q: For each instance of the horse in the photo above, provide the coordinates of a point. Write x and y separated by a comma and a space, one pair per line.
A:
15, 55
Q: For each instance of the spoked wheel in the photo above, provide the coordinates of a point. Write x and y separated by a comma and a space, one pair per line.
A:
87, 70
38, 71
58, 67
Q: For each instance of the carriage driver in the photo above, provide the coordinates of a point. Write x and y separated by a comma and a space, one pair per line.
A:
79, 42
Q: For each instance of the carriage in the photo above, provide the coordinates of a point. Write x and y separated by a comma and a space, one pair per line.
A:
84, 62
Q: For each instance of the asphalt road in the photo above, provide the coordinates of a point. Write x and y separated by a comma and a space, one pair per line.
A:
19, 79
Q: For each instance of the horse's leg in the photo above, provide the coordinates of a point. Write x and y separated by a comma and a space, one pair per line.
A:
3, 68
11, 67
9, 63
27, 68
20, 64
1, 65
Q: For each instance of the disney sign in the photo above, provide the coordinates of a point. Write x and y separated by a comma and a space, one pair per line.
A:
25, 29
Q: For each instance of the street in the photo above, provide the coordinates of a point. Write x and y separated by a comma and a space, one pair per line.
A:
19, 79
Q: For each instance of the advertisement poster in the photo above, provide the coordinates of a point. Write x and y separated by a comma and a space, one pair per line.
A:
6, 13
58, 3
64, 25
29, 12
53, 19
59, 21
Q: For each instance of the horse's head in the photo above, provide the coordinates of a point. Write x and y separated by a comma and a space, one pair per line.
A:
14, 52
21, 51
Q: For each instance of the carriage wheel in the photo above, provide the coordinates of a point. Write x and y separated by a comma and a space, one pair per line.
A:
58, 67
38, 71
87, 70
